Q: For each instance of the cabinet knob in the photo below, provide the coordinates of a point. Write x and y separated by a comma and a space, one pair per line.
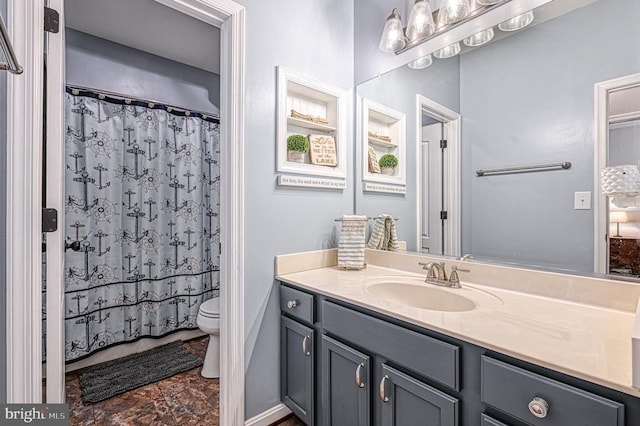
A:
292, 304
539, 407
359, 381
383, 397
305, 350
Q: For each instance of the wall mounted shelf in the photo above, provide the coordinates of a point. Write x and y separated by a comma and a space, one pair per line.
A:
383, 132
310, 107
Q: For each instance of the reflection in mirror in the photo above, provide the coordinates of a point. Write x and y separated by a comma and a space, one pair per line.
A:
525, 98
624, 149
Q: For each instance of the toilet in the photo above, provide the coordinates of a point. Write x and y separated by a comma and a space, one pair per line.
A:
209, 322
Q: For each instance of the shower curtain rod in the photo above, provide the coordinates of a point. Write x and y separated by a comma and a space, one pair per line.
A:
152, 103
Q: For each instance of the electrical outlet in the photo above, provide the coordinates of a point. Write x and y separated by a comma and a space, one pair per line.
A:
582, 200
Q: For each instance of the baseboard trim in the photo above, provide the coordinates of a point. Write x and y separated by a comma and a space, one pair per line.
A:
269, 417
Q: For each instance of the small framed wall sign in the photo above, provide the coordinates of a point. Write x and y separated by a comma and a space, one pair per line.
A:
322, 150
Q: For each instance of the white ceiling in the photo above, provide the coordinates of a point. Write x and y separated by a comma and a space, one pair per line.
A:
148, 26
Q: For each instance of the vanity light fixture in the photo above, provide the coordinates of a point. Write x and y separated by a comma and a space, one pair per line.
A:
392, 38
448, 52
478, 39
421, 63
452, 11
420, 23
517, 22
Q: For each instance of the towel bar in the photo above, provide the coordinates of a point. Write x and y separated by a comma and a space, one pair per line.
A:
563, 165
7, 49
368, 218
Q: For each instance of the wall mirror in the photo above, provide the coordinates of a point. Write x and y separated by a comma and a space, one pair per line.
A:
524, 99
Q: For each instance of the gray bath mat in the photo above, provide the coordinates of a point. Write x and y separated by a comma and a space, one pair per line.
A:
111, 378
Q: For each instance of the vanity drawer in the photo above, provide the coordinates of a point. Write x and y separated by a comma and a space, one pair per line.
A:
296, 303
512, 389
490, 421
425, 355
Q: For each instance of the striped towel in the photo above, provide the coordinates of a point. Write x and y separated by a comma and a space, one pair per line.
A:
384, 235
351, 243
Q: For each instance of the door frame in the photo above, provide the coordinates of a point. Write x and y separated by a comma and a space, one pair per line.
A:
452, 123
600, 204
24, 189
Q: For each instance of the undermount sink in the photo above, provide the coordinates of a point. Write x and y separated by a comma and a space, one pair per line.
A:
414, 292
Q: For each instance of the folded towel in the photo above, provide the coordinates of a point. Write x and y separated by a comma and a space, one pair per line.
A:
352, 242
384, 235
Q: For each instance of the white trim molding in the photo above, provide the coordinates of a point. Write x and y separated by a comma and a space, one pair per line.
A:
54, 191
451, 185
269, 416
600, 205
24, 203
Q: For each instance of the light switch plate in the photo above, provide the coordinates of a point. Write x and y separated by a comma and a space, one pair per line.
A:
582, 201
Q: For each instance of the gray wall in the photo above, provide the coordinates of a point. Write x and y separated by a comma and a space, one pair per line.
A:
3, 217
314, 38
97, 63
440, 83
528, 99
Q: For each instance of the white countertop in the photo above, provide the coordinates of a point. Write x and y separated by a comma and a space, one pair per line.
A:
583, 340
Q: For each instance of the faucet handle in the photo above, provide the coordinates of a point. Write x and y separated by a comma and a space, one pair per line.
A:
453, 278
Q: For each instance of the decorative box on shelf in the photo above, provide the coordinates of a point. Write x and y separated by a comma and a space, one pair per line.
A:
383, 135
318, 112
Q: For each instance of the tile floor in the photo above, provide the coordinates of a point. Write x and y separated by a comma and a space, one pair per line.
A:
184, 399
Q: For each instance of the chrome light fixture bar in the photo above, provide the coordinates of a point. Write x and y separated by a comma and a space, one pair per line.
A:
412, 40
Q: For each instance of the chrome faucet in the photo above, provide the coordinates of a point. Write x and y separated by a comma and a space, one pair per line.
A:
441, 278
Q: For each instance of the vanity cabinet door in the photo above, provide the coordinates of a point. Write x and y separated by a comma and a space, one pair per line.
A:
406, 401
297, 368
346, 387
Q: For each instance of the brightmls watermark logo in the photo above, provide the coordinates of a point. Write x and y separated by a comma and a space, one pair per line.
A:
34, 414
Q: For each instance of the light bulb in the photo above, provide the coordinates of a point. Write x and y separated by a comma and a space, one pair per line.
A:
517, 22
447, 52
452, 11
420, 23
392, 38
480, 38
421, 63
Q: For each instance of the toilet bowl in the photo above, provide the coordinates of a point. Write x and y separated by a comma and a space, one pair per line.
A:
209, 322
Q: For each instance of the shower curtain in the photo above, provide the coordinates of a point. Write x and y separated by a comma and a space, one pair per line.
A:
142, 212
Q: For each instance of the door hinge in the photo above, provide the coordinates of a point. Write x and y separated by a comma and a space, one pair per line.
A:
51, 20
443, 215
49, 220
443, 143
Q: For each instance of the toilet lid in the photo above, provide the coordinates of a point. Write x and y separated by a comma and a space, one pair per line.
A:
210, 308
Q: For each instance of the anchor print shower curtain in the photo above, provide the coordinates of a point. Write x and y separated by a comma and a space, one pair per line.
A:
142, 206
